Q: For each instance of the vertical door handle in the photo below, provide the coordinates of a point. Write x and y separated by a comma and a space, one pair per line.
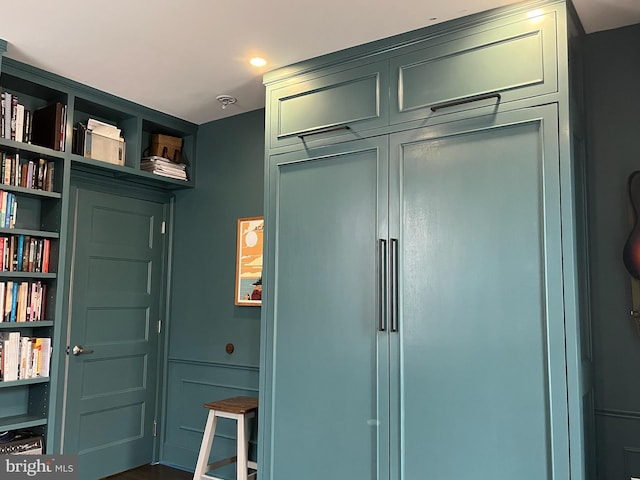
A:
382, 270
393, 280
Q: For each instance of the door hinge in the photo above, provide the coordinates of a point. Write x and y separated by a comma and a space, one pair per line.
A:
159, 326
163, 228
155, 428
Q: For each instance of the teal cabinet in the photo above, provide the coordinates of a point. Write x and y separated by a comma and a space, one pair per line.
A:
421, 316
499, 62
477, 362
316, 110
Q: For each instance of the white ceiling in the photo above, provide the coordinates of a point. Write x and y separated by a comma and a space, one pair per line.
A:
177, 56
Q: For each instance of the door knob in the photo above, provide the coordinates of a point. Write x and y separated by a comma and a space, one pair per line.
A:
78, 350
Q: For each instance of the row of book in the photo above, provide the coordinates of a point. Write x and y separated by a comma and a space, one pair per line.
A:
23, 357
23, 301
164, 166
24, 253
44, 126
35, 174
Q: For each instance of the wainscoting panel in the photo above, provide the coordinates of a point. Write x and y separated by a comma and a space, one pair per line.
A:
619, 444
192, 384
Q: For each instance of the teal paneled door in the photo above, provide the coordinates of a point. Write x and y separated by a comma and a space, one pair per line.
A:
480, 350
117, 269
327, 391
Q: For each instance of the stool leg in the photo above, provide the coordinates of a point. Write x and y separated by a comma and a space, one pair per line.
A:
241, 466
205, 448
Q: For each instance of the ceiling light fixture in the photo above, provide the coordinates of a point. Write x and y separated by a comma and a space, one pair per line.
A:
258, 62
226, 100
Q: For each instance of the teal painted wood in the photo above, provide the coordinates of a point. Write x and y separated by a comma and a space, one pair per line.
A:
432, 81
116, 302
344, 103
480, 348
325, 396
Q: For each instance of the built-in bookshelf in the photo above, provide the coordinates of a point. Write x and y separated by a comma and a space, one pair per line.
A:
37, 162
31, 195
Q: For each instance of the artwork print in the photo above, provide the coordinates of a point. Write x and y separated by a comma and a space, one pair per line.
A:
249, 261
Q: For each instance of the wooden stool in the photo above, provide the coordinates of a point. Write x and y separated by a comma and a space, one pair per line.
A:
239, 409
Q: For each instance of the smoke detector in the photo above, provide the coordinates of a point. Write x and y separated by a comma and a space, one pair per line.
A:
226, 100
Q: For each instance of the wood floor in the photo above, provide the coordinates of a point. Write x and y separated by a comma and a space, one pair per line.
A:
152, 472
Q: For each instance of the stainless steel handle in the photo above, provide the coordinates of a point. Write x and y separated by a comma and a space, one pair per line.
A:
393, 287
474, 98
382, 275
78, 350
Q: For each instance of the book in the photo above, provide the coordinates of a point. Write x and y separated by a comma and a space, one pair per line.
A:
10, 355
8, 296
6, 167
42, 168
32, 255
14, 302
3, 287
45, 255
19, 256
26, 137
42, 302
14, 116
6, 133
19, 122
48, 179
14, 212
26, 353
46, 126
23, 296
2, 114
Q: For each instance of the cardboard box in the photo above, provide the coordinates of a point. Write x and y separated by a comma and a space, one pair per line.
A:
106, 149
167, 147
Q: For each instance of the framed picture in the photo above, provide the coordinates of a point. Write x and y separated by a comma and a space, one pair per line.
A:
249, 261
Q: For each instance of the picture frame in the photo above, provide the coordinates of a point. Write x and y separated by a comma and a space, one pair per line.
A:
248, 291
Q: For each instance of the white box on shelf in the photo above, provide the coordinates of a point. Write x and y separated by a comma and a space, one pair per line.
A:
101, 147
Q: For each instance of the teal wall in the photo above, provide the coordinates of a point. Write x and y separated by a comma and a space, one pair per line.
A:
613, 127
203, 315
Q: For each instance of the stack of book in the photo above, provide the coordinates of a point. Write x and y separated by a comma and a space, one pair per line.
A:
44, 126
164, 166
24, 357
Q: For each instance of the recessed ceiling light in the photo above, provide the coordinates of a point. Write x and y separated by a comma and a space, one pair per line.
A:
258, 62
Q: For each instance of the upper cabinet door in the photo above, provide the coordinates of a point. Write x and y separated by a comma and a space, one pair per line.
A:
487, 68
330, 108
